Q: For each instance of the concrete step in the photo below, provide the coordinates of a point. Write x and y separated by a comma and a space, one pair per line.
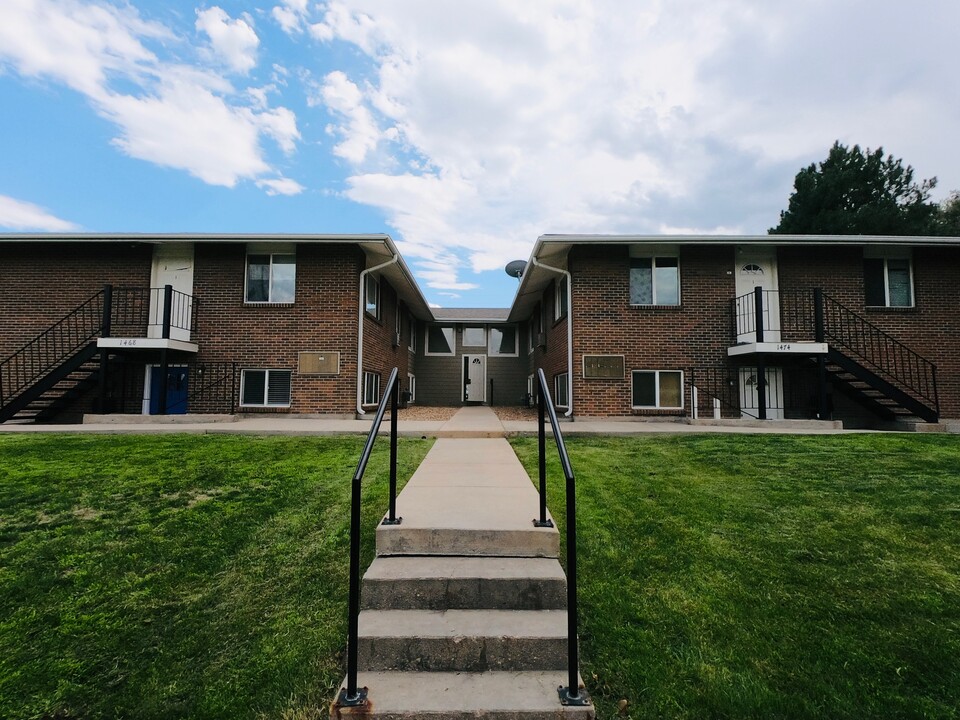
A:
464, 583
465, 696
464, 640
491, 541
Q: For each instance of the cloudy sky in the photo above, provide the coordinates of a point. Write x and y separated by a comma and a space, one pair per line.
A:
464, 129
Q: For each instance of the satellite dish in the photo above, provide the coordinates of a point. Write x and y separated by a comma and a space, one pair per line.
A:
515, 268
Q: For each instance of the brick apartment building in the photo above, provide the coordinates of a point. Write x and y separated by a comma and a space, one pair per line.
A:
865, 329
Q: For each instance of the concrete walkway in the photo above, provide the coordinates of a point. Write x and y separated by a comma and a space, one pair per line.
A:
479, 421
469, 496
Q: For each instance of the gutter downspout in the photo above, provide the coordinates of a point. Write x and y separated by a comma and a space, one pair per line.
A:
363, 309
533, 259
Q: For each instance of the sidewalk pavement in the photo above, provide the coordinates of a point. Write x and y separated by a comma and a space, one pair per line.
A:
474, 421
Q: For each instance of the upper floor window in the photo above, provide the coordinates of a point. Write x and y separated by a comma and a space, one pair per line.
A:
474, 336
271, 278
412, 340
560, 299
439, 340
655, 280
503, 341
888, 282
534, 329
372, 296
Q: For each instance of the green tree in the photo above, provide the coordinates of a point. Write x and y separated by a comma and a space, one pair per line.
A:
948, 215
856, 192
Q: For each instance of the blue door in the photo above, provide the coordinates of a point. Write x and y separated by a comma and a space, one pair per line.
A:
176, 390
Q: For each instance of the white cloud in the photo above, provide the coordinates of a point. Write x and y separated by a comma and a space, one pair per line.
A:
20, 215
169, 113
281, 186
232, 40
485, 124
290, 15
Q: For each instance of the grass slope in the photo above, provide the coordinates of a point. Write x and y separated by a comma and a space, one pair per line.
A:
736, 576
178, 576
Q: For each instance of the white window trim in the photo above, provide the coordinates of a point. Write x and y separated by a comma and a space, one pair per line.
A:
495, 351
272, 252
556, 389
534, 328
656, 388
451, 341
412, 386
412, 339
560, 294
266, 387
481, 328
366, 294
886, 278
374, 378
653, 279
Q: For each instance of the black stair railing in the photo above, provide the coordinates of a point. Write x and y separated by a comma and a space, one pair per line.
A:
50, 348
572, 694
879, 350
351, 695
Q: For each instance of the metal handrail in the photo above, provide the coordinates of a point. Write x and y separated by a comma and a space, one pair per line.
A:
351, 695
572, 694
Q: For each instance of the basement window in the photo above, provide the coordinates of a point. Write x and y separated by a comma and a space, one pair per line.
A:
560, 396
265, 388
659, 389
371, 388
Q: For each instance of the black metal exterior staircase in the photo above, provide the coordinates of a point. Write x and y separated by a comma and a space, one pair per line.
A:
59, 357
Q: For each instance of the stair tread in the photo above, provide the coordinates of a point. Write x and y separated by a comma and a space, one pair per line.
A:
462, 695
463, 623
406, 567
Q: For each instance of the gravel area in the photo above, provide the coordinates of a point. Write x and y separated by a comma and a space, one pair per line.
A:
515, 412
429, 414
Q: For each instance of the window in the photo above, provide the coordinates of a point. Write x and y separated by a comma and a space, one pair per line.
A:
474, 336
372, 296
560, 398
439, 340
534, 329
371, 388
412, 386
503, 341
265, 388
412, 340
271, 278
397, 322
658, 389
531, 391
560, 299
888, 282
654, 281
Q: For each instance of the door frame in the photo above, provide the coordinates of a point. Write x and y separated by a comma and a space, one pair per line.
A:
766, 257
464, 374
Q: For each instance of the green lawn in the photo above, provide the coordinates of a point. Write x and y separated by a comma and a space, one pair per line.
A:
768, 576
178, 576
722, 576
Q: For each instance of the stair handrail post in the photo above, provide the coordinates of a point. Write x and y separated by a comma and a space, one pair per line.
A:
758, 312
542, 521
351, 695
572, 694
167, 309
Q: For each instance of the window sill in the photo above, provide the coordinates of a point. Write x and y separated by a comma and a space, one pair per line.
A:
891, 309
370, 316
250, 304
656, 307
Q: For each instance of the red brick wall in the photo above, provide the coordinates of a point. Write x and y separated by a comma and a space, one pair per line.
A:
696, 332
40, 283
379, 354
931, 328
323, 317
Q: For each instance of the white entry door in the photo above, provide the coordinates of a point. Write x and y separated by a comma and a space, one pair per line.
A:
172, 265
474, 378
757, 267
750, 397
